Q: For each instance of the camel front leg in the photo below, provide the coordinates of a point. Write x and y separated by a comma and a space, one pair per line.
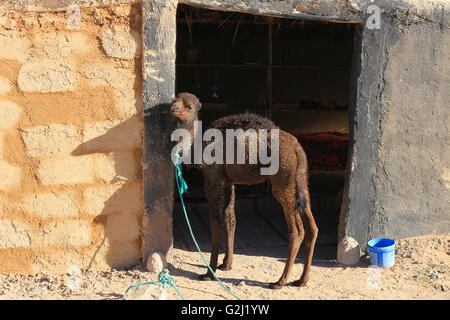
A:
219, 197
230, 227
216, 237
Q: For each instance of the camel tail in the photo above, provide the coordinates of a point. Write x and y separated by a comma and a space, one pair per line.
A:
301, 177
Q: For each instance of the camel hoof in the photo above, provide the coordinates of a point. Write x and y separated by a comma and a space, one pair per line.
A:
205, 277
300, 283
224, 267
275, 286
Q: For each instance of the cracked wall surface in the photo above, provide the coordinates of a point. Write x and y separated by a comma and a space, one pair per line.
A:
71, 140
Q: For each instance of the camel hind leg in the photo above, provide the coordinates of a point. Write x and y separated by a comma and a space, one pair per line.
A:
286, 197
309, 225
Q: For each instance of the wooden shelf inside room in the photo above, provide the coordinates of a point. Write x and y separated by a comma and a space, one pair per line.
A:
267, 67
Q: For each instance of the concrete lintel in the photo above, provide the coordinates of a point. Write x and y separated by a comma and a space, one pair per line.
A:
345, 11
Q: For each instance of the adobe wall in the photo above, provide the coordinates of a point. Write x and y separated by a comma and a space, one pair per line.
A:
70, 139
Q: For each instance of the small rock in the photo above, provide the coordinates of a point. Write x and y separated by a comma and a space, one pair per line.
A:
348, 252
443, 288
156, 263
147, 292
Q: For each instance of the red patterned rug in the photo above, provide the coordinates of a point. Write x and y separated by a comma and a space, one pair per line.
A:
326, 151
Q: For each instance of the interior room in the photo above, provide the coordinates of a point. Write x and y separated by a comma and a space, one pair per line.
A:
296, 73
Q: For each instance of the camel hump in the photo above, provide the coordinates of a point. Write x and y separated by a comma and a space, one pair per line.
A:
243, 121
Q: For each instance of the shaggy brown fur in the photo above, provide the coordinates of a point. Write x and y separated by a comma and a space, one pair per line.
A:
289, 187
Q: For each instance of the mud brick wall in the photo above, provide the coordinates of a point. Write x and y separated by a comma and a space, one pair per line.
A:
70, 139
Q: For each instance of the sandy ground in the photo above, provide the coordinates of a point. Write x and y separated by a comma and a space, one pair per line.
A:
422, 271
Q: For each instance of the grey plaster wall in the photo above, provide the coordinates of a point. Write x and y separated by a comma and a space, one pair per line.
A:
412, 186
398, 184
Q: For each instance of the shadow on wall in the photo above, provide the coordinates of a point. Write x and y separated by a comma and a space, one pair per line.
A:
116, 202
158, 174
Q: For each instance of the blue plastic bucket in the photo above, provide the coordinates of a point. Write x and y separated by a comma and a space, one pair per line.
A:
382, 252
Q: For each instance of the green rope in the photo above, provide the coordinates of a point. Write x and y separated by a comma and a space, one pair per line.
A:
164, 281
182, 187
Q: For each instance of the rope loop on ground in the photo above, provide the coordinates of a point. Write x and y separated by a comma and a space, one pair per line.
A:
164, 281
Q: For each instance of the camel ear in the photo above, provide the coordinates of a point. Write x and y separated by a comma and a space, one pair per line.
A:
198, 106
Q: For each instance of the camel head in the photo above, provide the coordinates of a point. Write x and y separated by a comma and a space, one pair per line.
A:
184, 109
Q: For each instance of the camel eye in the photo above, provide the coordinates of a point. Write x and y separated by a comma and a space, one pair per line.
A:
189, 107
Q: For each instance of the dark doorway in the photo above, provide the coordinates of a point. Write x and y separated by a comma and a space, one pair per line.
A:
296, 73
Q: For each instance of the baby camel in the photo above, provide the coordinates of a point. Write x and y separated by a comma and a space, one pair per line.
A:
289, 187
